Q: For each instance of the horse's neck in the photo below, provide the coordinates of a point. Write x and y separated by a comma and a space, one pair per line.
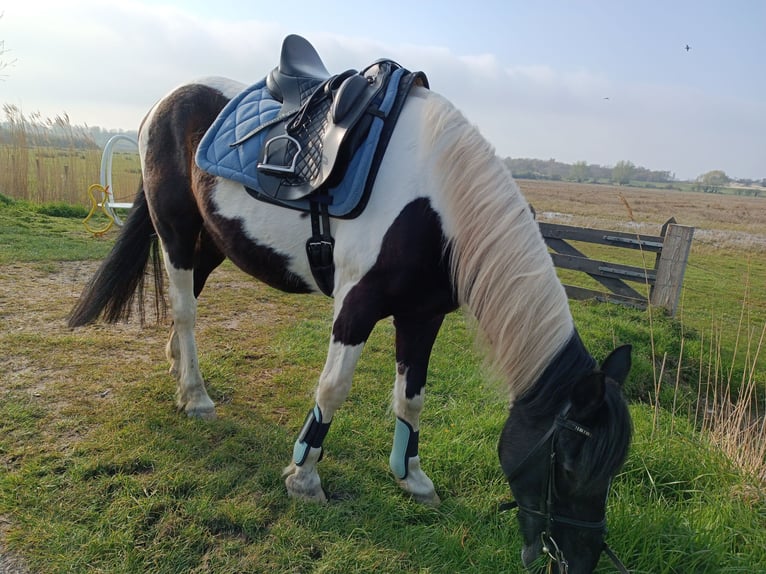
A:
501, 268
552, 390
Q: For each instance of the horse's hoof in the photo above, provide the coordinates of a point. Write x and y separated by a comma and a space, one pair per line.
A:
429, 499
198, 408
204, 413
418, 485
302, 485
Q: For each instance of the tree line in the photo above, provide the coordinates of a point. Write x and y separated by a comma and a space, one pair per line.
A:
622, 173
581, 171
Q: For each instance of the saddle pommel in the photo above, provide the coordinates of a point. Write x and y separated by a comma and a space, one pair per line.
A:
300, 70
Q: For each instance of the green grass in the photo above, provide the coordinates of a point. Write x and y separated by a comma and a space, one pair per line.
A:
722, 300
98, 473
47, 232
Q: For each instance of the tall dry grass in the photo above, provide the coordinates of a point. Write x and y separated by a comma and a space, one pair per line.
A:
730, 406
51, 160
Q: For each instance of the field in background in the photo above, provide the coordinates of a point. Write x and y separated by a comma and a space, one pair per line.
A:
56, 174
727, 263
721, 221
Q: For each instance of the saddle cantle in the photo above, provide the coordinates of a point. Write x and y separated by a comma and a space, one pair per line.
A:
307, 140
299, 72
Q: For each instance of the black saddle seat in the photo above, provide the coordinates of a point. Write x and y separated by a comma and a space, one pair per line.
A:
299, 72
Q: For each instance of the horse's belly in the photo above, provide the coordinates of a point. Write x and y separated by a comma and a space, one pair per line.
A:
269, 242
265, 241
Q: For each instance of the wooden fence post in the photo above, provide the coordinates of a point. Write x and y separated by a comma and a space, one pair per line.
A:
671, 267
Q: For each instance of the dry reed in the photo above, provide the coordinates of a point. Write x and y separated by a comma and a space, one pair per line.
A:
731, 418
50, 160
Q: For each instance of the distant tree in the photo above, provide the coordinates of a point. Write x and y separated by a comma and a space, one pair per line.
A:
712, 181
579, 171
622, 173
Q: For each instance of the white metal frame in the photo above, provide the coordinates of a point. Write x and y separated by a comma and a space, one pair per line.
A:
106, 177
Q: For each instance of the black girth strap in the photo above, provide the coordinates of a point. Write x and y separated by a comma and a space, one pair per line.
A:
319, 247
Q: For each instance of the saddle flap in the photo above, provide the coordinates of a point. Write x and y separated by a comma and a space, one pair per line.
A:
347, 95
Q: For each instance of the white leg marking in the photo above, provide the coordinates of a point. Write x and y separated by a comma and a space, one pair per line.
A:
181, 349
173, 353
335, 381
416, 482
334, 385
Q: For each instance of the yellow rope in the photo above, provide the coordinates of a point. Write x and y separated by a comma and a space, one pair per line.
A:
95, 204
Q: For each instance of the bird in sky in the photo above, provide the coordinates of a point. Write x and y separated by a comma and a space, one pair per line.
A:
687, 47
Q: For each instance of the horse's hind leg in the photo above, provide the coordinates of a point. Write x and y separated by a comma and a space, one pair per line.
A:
181, 349
191, 396
414, 340
207, 258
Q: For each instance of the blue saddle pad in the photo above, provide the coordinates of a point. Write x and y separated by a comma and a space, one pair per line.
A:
218, 155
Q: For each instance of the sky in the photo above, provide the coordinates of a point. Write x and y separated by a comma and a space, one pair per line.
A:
595, 81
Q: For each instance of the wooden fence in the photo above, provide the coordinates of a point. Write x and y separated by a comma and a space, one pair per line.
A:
671, 249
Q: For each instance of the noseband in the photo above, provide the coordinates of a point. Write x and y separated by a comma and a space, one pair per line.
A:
546, 512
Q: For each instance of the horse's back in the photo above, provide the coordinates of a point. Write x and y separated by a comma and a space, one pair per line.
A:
264, 240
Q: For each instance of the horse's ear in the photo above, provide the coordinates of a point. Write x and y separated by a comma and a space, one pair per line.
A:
617, 365
587, 395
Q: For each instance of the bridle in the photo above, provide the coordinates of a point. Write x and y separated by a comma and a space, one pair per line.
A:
547, 512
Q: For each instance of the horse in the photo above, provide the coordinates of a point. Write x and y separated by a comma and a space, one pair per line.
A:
445, 227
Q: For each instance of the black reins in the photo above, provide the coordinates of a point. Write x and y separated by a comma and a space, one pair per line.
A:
548, 497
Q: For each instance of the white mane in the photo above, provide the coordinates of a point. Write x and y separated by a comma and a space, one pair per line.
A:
501, 267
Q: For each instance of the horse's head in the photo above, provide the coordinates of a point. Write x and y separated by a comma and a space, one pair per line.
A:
560, 465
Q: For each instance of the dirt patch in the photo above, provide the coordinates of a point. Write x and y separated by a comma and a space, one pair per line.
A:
9, 563
60, 372
39, 295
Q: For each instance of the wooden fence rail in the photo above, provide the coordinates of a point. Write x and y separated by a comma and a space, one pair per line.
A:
671, 249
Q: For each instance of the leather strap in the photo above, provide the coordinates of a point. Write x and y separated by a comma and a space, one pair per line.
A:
615, 560
320, 246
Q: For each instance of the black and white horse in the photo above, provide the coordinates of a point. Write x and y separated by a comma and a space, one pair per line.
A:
445, 226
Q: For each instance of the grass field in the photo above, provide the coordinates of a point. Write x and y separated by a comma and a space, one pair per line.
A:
98, 473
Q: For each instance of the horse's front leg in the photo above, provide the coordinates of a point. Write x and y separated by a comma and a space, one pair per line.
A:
414, 341
301, 476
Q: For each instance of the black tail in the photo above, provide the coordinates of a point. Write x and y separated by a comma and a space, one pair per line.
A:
113, 289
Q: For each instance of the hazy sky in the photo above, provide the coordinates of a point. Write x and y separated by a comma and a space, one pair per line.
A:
534, 76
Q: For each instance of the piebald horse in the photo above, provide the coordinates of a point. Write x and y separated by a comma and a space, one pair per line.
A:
445, 226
